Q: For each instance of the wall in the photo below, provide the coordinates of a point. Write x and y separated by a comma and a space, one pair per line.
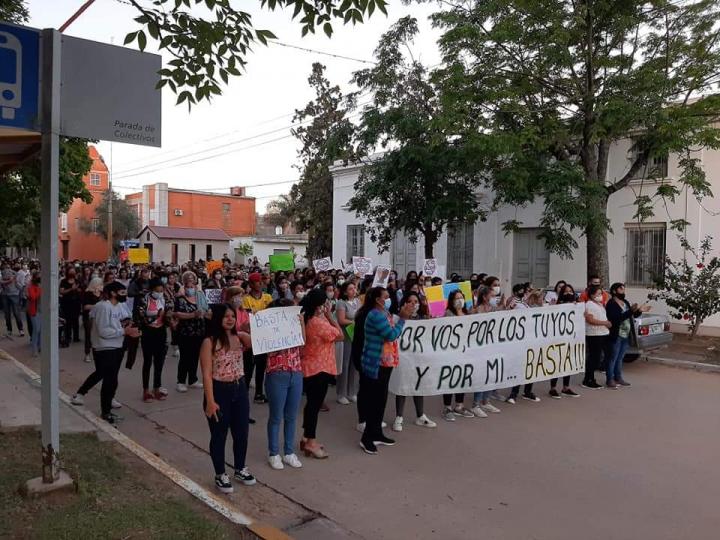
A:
266, 246
162, 248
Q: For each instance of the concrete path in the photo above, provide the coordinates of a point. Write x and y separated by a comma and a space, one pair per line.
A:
635, 463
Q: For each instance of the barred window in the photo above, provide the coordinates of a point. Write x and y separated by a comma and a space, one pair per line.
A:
355, 241
645, 253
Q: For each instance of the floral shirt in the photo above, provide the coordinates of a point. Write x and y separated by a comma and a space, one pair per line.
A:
227, 366
285, 360
390, 353
189, 327
318, 355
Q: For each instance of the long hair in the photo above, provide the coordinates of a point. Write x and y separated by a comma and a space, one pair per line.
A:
371, 298
451, 300
423, 312
314, 299
215, 330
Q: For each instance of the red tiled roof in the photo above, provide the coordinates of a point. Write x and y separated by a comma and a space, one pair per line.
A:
186, 233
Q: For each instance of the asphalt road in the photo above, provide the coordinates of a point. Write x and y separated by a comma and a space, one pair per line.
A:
636, 463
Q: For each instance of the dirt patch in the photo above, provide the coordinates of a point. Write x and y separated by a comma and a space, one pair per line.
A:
704, 349
118, 496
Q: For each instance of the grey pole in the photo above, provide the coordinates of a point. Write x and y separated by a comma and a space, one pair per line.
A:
49, 205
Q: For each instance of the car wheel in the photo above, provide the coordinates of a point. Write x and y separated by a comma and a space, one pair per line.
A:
631, 358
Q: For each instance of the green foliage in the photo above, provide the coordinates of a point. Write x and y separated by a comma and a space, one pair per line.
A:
691, 289
547, 88
421, 182
14, 11
20, 193
125, 223
326, 139
211, 39
244, 250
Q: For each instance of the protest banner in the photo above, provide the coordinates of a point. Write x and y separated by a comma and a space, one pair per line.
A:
214, 296
211, 266
430, 268
363, 265
382, 276
322, 265
276, 329
282, 261
483, 352
139, 255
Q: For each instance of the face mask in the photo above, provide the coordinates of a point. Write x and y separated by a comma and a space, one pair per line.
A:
340, 282
190, 291
598, 299
388, 303
496, 291
122, 298
157, 295
237, 302
520, 295
330, 295
458, 303
621, 296
218, 276
416, 308
283, 286
300, 295
163, 280
568, 297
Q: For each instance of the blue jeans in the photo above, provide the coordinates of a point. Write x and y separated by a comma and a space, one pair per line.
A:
479, 397
615, 363
284, 392
35, 337
232, 397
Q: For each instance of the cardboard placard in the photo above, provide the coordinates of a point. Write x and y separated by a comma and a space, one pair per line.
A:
282, 261
139, 255
275, 329
382, 276
323, 265
363, 265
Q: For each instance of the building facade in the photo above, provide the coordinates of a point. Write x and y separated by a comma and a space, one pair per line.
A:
75, 241
271, 238
178, 245
162, 206
636, 250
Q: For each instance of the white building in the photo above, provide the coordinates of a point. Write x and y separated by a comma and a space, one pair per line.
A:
522, 257
178, 245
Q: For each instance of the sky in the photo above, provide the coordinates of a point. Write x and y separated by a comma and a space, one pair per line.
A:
251, 120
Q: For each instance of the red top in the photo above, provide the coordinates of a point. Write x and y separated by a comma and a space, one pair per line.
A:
285, 360
319, 352
33, 294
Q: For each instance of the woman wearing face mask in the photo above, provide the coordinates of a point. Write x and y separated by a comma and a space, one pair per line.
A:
620, 313
70, 305
498, 299
455, 308
566, 295
412, 298
553, 296
597, 329
518, 302
191, 310
216, 281
282, 290
297, 289
91, 296
345, 310
481, 401
123, 277
152, 315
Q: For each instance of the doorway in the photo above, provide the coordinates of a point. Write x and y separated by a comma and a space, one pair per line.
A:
531, 258
404, 255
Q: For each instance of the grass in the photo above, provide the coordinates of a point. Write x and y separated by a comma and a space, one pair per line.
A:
118, 496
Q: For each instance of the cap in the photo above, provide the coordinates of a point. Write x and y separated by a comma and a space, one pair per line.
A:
255, 277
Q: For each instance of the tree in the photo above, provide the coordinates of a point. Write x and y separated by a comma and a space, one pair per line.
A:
14, 11
125, 223
20, 192
550, 86
207, 49
278, 211
691, 291
326, 139
419, 185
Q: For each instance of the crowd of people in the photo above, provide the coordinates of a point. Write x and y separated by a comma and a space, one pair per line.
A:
350, 331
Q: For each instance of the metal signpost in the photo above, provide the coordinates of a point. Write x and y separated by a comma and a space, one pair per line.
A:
88, 90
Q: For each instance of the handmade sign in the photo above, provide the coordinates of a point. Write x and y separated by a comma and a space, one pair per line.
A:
214, 296
430, 268
437, 296
483, 352
382, 276
363, 265
139, 255
282, 261
276, 329
322, 265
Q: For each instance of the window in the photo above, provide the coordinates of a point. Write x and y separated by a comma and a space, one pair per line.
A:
94, 179
656, 167
645, 253
174, 253
147, 237
192, 252
355, 241
460, 243
226, 209
208, 252
77, 224
63, 222
95, 223
278, 230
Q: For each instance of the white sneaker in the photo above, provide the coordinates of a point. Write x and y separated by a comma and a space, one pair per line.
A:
87, 359
222, 482
353, 399
77, 399
477, 411
383, 424
342, 400
115, 404
276, 463
360, 427
196, 384
448, 415
182, 388
489, 407
292, 460
176, 352
398, 423
162, 391
424, 421
510, 400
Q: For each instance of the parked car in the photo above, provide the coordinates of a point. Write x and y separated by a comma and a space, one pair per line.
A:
652, 331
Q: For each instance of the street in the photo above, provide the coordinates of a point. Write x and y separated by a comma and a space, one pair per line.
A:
639, 463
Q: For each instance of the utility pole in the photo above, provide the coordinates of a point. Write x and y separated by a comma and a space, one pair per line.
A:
110, 221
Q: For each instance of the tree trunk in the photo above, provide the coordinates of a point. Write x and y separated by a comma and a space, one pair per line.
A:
430, 236
597, 245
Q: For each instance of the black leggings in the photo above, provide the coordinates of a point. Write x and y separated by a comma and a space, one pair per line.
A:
258, 363
189, 347
154, 349
107, 367
447, 399
400, 405
594, 347
566, 382
375, 395
232, 398
516, 390
315, 391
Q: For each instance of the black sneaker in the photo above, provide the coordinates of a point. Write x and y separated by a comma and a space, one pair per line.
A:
570, 392
385, 441
554, 393
260, 399
245, 477
222, 482
368, 448
592, 385
111, 418
531, 397
251, 420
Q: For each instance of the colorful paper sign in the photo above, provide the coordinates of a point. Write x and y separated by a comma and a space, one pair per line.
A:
437, 296
363, 265
139, 255
282, 261
214, 296
323, 265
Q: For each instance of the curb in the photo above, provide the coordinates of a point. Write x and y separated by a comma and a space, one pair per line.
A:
262, 530
684, 364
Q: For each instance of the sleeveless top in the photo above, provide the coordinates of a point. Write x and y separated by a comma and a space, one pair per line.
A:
227, 366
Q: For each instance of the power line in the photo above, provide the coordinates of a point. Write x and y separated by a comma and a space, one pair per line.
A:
263, 184
306, 49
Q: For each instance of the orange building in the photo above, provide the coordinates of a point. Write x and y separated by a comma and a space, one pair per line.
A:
74, 242
159, 205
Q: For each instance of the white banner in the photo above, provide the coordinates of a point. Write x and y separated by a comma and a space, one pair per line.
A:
475, 353
363, 265
323, 265
275, 329
430, 268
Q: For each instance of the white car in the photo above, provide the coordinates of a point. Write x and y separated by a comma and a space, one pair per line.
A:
652, 331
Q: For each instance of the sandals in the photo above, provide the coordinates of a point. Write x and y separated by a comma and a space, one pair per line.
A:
317, 453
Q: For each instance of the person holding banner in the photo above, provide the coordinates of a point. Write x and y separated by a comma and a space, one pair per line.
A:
225, 400
345, 310
565, 295
597, 330
380, 355
318, 365
456, 308
413, 298
523, 298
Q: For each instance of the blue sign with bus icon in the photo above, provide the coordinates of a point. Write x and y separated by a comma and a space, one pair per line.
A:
19, 77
